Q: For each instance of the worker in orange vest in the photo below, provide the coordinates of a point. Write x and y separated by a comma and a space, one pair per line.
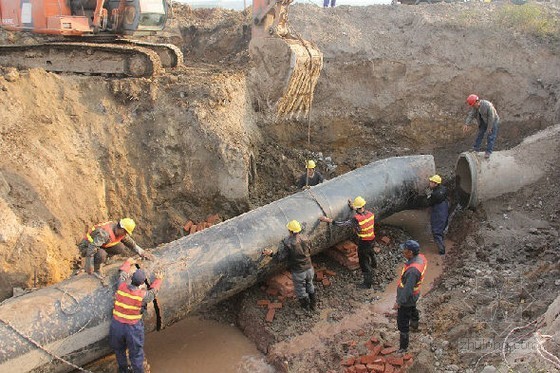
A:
127, 327
108, 239
408, 291
363, 223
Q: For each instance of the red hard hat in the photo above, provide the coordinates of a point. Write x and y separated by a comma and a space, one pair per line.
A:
472, 99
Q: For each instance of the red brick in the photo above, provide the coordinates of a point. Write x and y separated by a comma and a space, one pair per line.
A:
393, 360
369, 345
213, 219
386, 240
407, 356
187, 226
389, 368
387, 344
271, 291
328, 272
379, 360
349, 362
326, 282
351, 369
277, 305
360, 368
388, 350
193, 229
378, 368
367, 359
409, 363
376, 350
270, 314
319, 275
263, 302
374, 340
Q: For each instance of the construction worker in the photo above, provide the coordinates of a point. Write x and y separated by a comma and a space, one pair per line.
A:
488, 122
408, 291
311, 177
363, 223
127, 327
437, 200
298, 252
108, 239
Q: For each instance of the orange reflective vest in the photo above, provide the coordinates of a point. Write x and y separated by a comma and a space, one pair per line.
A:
107, 227
128, 304
421, 267
366, 222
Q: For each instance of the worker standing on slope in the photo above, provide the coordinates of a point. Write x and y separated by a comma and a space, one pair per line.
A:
488, 122
127, 327
408, 291
298, 251
311, 177
363, 223
108, 239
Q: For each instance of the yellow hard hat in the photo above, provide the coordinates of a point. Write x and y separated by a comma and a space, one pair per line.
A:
127, 224
436, 179
294, 226
359, 202
310, 164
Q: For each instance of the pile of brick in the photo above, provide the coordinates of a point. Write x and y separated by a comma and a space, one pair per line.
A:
191, 227
379, 358
346, 252
281, 286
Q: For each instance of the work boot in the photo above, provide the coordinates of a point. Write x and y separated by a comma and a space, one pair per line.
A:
403, 342
305, 303
487, 155
313, 301
441, 248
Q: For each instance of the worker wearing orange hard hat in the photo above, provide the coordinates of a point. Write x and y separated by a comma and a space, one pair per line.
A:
484, 113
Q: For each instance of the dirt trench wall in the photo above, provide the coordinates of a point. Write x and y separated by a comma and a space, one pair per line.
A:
409, 70
80, 150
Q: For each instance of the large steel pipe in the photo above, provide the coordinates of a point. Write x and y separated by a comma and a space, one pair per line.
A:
479, 179
71, 319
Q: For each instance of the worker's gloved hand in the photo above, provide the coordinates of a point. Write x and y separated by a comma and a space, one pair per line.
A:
159, 274
428, 192
325, 219
350, 204
267, 252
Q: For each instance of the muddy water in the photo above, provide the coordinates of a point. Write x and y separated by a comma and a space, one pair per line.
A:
417, 224
203, 346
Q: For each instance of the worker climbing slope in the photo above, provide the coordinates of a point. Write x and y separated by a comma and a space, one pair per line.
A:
108, 239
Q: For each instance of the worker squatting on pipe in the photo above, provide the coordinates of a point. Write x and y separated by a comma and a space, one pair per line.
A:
71, 319
479, 179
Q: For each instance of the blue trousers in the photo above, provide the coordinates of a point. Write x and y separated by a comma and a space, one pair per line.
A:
129, 337
490, 139
326, 3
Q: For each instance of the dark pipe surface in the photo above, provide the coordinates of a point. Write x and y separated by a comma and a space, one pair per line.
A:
72, 318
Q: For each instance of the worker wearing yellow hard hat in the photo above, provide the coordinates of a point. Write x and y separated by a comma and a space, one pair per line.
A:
297, 250
437, 200
363, 223
108, 239
311, 177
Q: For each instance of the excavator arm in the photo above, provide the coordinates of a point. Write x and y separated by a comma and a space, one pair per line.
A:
286, 67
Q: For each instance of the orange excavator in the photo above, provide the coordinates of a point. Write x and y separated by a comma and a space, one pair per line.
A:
286, 67
95, 39
94, 32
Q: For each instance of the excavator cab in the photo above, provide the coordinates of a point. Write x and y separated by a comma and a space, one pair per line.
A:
286, 67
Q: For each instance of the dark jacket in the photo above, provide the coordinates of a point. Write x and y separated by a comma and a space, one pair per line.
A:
298, 252
317, 178
440, 208
409, 279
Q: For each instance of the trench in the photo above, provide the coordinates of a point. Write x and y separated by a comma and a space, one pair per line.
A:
193, 344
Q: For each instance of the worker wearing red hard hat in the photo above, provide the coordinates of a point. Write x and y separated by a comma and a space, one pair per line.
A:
486, 116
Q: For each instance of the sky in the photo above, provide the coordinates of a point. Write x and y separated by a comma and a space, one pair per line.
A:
238, 4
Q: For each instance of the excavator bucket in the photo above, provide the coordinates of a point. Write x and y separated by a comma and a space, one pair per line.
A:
286, 68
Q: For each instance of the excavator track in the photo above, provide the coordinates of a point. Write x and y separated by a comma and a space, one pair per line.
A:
85, 58
169, 54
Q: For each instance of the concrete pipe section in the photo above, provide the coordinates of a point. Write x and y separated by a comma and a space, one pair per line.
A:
479, 179
70, 320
